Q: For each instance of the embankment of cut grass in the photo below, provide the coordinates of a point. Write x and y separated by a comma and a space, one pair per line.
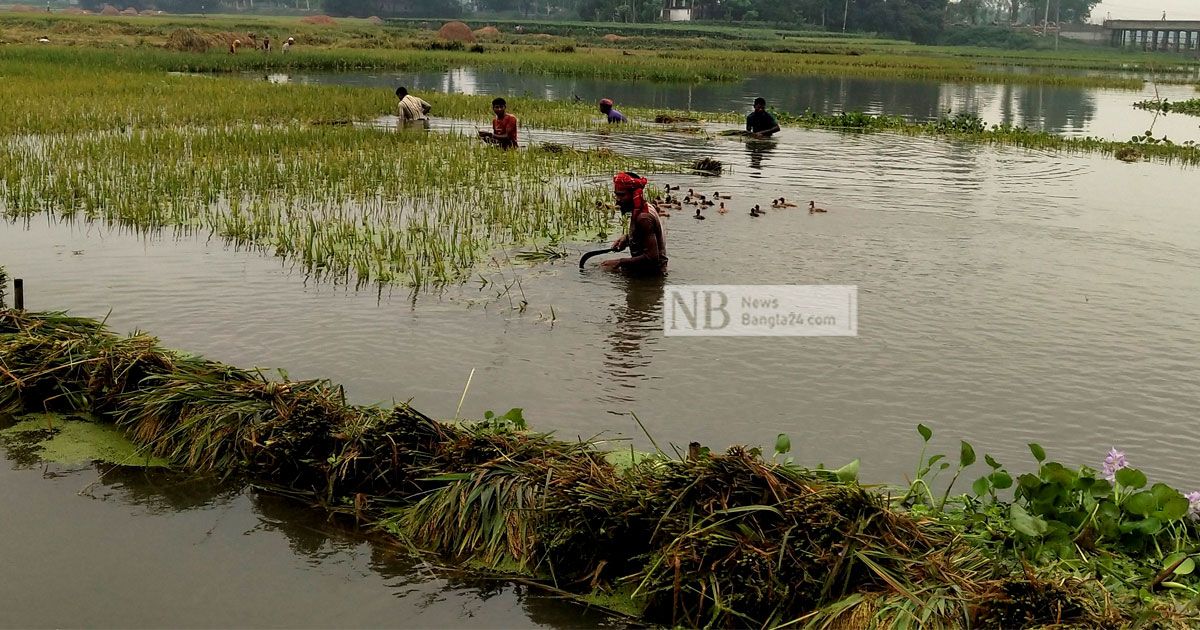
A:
729, 539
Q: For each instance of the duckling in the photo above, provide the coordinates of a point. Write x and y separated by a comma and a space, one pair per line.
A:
698, 215
784, 203
812, 207
691, 195
756, 211
718, 195
670, 188
775, 203
705, 203
722, 209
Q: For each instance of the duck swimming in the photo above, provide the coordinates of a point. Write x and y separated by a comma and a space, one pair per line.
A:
698, 215
756, 211
718, 195
784, 203
722, 209
812, 207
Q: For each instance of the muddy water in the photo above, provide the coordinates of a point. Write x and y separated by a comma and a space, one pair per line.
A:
112, 547
1074, 111
1006, 296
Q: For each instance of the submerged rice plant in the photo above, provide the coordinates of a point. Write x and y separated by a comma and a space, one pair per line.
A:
349, 204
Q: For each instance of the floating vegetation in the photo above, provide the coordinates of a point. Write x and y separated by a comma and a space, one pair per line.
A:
971, 127
1191, 106
707, 166
711, 539
1128, 154
673, 119
72, 439
347, 204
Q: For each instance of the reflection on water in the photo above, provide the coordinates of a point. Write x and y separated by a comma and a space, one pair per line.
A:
123, 547
1068, 110
632, 333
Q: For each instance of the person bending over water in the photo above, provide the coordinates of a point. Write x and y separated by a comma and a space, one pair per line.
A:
412, 109
614, 116
646, 241
504, 127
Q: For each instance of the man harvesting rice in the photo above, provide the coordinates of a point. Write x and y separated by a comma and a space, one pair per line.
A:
412, 109
646, 241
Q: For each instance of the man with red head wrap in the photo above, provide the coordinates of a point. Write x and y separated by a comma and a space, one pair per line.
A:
647, 246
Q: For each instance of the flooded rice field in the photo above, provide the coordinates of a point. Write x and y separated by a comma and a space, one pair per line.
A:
1005, 296
1073, 111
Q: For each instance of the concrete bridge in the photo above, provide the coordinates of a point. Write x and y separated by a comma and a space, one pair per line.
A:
1165, 35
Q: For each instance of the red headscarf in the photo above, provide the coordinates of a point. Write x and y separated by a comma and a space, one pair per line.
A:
631, 182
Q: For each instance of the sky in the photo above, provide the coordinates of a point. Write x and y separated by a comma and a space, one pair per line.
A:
1147, 10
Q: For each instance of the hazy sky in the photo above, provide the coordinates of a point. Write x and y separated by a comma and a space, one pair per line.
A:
1147, 10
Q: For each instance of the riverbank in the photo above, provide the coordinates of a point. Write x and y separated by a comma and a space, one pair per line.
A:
358, 44
704, 538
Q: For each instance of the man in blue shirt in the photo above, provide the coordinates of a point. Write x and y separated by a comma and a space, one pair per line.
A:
760, 123
614, 116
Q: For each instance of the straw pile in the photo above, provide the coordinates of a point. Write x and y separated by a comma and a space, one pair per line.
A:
487, 31
129, 11
456, 32
191, 40
375, 19
109, 10
322, 20
716, 539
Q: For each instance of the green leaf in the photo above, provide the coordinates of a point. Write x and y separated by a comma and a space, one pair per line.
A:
1141, 503
981, 486
848, 473
1149, 526
1186, 567
1025, 523
1174, 508
1001, 480
489, 414
783, 444
926, 432
1039, 453
1163, 492
966, 455
991, 462
935, 459
1131, 478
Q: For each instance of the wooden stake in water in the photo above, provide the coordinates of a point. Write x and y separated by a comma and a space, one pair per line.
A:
464, 396
19, 294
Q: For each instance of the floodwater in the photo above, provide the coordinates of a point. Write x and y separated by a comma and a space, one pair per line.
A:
110, 547
1073, 111
1006, 296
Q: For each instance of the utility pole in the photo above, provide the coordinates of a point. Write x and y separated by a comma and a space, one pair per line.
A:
1046, 18
1057, 21
846, 12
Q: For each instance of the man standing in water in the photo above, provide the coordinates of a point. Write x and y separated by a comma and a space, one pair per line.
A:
504, 127
760, 123
646, 242
413, 110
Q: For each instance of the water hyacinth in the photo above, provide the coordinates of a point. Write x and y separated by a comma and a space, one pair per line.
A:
1193, 504
1114, 461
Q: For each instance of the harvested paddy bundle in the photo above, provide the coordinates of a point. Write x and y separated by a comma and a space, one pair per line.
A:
715, 540
375, 19
192, 40
129, 11
320, 20
456, 32
486, 32
109, 10
613, 38
708, 166
671, 119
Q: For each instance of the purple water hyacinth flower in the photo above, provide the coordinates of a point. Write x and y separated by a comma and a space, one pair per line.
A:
1114, 461
1193, 504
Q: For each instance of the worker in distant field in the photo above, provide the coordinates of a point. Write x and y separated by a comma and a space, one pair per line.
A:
646, 239
504, 126
760, 123
266, 43
614, 116
233, 46
288, 44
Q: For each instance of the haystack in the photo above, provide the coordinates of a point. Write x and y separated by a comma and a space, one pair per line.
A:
110, 10
22, 8
613, 38
487, 31
129, 11
74, 11
456, 32
191, 40
375, 19
323, 20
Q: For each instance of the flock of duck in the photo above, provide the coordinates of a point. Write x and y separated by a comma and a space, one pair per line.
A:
701, 202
